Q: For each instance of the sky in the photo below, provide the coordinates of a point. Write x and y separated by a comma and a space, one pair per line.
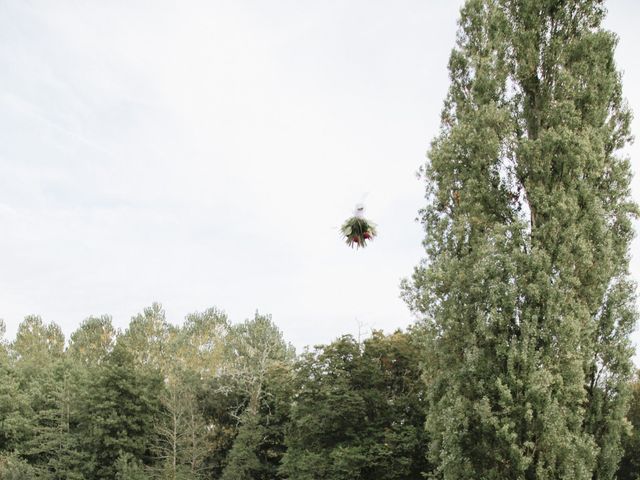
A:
205, 153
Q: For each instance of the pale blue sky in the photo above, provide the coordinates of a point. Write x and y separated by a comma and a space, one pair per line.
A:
203, 153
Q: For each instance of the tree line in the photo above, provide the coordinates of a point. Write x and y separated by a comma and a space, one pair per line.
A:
207, 399
214, 400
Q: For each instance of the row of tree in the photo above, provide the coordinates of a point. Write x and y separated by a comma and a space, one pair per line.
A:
208, 399
215, 400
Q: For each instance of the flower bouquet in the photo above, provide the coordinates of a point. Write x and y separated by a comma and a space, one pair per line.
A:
357, 230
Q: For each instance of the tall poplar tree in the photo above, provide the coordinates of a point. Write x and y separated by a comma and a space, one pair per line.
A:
525, 289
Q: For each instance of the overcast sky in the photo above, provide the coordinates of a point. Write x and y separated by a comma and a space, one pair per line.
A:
204, 153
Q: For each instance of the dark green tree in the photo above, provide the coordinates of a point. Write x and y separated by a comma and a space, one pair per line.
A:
15, 411
55, 446
242, 461
121, 407
525, 289
43, 387
630, 463
220, 401
130, 468
358, 412
259, 442
12, 467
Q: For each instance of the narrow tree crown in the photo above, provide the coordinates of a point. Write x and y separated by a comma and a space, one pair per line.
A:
525, 287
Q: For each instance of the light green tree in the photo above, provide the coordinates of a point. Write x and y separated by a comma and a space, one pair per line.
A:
358, 411
37, 344
196, 355
200, 344
525, 291
92, 341
182, 433
148, 338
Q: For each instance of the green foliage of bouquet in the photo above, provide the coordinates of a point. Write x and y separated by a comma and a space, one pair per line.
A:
357, 231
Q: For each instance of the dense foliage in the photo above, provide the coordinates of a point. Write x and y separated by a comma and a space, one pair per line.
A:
209, 399
218, 401
525, 289
357, 411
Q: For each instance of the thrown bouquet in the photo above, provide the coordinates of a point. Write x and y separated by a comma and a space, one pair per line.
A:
357, 230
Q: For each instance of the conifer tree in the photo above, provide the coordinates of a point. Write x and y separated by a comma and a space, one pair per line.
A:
122, 405
91, 343
147, 338
12, 467
525, 289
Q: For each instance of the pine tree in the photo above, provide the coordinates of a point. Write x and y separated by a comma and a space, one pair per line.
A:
147, 338
121, 407
54, 446
40, 386
14, 427
92, 341
130, 468
243, 462
525, 289
201, 341
12, 467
